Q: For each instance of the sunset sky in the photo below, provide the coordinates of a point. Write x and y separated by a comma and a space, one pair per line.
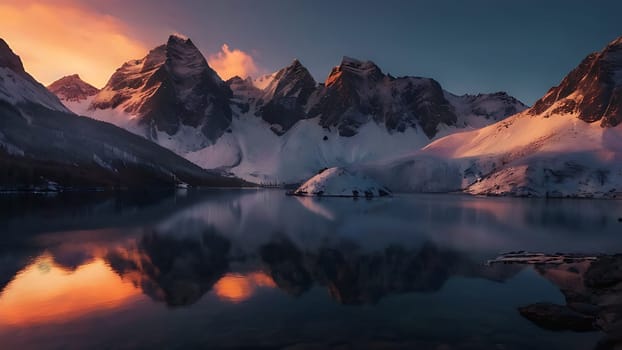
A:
523, 47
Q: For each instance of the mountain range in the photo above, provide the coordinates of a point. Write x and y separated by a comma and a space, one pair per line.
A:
44, 146
568, 144
282, 127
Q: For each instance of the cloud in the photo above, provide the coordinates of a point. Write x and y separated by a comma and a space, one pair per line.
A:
229, 63
57, 38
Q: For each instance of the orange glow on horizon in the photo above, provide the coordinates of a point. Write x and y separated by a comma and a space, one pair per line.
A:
63, 38
237, 288
44, 292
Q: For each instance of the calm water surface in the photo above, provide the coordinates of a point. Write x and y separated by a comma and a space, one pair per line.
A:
256, 269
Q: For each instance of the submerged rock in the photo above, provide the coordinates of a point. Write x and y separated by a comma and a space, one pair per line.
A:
557, 317
591, 285
339, 182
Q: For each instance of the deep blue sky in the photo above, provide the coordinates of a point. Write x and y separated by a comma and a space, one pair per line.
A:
522, 47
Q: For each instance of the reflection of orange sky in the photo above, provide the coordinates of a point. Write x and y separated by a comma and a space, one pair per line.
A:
43, 292
237, 288
498, 208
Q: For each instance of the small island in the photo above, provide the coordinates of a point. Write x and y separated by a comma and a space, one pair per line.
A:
340, 182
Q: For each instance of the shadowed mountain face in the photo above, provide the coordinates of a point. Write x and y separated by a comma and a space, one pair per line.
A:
283, 102
19, 87
593, 90
171, 87
10, 60
355, 91
358, 92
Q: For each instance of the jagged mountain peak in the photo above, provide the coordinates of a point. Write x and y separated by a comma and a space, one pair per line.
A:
290, 81
72, 88
616, 42
171, 88
9, 59
295, 66
19, 87
354, 68
284, 98
187, 62
592, 91
354, 62
177, 37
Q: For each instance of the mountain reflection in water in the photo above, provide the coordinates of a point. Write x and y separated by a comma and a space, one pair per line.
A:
171, 266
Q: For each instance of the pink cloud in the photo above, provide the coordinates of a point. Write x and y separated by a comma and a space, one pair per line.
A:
229, 63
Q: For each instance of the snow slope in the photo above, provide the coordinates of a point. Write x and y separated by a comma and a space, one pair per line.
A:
568, 144
253, 152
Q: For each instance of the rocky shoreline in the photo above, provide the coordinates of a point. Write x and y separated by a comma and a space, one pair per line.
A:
591, 285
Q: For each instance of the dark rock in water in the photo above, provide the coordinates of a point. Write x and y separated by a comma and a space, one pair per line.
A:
557, 317
605, 272
593, 291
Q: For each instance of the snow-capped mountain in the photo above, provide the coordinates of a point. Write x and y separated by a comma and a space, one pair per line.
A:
170, 96
43, 144
286, 127
568, 144
72, 89
282, 102
283, 127
18, 87
279, 98
357, 92
74, 93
